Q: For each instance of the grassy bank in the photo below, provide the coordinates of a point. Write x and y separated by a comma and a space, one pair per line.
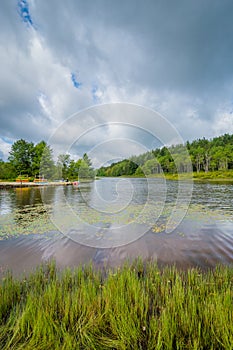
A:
135, 307
215, 176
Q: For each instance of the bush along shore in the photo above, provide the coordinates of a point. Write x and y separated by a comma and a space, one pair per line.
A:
136, 306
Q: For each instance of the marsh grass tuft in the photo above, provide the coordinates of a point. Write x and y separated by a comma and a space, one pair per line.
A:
136, 306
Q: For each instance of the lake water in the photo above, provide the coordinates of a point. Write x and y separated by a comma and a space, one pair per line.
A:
114, 219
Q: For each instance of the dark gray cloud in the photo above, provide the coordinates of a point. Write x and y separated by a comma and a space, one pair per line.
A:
57, 58
181, 45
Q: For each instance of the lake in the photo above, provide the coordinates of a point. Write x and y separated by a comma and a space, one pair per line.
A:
114, 219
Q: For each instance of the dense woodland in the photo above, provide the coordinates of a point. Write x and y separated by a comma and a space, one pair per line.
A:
32, 160
27, 159
205, 155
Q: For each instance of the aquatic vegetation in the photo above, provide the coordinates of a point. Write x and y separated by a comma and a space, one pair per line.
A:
136, 306
42, 218
27, 220
159, 228
55, 209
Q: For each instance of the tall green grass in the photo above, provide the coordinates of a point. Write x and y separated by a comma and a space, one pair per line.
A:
133, 307
218, 176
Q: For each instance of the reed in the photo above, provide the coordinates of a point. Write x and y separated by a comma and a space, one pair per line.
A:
137, 306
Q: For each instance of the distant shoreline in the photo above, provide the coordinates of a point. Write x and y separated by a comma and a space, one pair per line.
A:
210, 177
197, 177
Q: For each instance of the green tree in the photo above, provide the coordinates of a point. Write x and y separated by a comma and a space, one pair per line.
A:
180, 160
47, 167
206, 155
7, 171
87, 160
151, 166
139, 172
101, 171
130, 167
228, 150
37, 156
21, 157
73, 170
63, 163
85, 170
197, 156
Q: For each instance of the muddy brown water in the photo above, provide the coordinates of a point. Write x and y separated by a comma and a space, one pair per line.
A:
78, 226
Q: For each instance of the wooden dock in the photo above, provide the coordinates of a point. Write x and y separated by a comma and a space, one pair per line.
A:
15, 184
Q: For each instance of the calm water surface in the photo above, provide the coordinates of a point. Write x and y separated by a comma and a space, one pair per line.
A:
111, 220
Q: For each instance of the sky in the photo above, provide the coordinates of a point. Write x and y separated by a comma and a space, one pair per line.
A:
58, 59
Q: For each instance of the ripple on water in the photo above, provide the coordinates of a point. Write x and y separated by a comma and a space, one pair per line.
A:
204, 238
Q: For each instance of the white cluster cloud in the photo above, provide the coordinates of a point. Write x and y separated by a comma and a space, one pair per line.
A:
223, 123
57, 59
5, 147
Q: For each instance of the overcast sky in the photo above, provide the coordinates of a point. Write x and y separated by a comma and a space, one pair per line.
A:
58, 58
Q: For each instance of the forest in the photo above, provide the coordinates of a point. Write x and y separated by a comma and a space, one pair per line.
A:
30, 160
200, 155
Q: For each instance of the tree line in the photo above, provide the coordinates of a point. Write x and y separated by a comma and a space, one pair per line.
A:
27, 158
203, 156
33, 160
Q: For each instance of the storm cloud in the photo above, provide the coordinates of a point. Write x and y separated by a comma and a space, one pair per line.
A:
59, 58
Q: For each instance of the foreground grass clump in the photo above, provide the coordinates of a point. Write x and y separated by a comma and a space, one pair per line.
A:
134, 307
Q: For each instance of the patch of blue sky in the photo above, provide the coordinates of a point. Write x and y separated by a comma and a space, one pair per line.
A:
5, 146
75, 81
24, 12
7, 140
